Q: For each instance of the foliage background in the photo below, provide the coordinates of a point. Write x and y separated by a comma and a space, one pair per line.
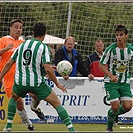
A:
89, 20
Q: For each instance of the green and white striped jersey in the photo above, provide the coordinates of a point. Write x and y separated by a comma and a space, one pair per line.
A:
118, 61
30, 57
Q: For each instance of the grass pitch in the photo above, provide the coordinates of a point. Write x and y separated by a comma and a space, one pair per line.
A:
62, 128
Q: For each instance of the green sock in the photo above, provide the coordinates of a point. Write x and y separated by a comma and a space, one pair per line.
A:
65, 117
121, 110
11, 112
111, 117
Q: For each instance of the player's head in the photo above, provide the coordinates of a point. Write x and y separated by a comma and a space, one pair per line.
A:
16, 28
121, 28
99, 46
69, 43
121, 34
39, 29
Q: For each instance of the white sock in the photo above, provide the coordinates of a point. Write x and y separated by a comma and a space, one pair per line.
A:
23, 115
34, 103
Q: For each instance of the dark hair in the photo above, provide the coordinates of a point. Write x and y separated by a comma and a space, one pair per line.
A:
121, 28
39, 29
16, 20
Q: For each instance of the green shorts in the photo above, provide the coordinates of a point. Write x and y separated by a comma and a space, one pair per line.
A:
117, 90
41, 91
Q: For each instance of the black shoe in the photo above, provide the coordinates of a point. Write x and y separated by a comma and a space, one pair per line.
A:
39, 113
30, 128
109, 130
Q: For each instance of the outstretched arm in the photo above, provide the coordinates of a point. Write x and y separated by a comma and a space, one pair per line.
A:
50, 72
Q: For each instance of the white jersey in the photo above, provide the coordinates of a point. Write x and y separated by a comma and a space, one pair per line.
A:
118, 61
30, 57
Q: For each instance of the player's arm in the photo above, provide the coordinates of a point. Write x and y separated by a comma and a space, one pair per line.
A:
105, 70
6, 68
6, 49
112, 77
50, 72
9, 64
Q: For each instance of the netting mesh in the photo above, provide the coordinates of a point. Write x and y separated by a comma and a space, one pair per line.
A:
53, 14
89, 21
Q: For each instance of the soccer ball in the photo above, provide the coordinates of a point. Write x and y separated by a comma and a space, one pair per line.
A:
64, 68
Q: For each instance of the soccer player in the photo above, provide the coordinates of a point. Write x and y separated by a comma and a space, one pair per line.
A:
92, 63
30, 57
8, 44
117, 78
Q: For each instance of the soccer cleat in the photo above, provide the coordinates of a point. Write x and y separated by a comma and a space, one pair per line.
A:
7, 129
109, 130
71, 129
30, 128
39, 113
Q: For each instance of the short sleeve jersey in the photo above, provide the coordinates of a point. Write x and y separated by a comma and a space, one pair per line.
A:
4, 41
118, 61
30, 57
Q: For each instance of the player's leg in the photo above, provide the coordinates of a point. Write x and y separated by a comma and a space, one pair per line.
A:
123, 109
54, 101
23, 114
12, 105
125, 98
20, 106
34, 104
112, 113
116, 121
112, 95
45, 92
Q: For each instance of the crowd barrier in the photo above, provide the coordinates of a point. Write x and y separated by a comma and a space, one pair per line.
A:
85, 102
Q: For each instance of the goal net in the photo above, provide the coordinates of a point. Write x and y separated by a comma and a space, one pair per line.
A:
85, 21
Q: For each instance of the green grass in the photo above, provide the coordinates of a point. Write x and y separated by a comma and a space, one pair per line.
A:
78, 127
